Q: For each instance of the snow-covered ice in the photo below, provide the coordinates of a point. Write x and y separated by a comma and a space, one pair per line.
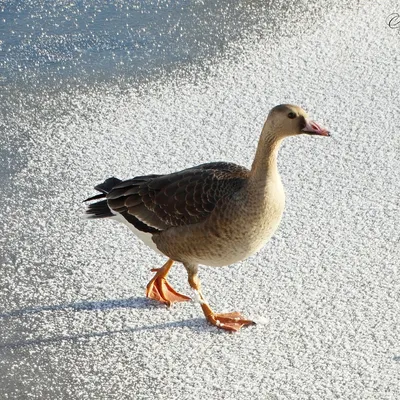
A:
74, 322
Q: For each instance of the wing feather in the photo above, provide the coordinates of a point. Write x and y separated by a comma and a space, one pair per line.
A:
182, 198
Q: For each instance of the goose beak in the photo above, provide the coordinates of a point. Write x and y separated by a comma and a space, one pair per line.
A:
312, 128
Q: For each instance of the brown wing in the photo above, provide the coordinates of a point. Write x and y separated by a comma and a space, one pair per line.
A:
159, 202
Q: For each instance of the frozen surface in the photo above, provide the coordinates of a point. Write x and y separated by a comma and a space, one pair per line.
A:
74, 322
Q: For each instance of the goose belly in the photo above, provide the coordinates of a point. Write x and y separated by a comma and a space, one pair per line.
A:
235, 248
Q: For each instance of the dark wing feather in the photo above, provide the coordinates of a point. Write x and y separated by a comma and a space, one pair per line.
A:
182, 198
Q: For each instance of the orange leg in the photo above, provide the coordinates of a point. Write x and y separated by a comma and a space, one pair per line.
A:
159, 289
229, 321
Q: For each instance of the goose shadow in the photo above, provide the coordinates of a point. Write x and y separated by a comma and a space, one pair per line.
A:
197, 324
138, 302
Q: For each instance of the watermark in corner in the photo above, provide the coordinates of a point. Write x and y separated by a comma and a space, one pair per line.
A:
393, 21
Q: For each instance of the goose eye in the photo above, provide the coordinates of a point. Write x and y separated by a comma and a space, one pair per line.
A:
291, 115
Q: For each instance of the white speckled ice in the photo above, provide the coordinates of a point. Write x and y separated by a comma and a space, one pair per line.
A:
74, 322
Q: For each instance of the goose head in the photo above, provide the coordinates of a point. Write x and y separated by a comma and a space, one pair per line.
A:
290, 120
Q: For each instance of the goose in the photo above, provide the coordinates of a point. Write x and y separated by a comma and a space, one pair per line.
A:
214, 214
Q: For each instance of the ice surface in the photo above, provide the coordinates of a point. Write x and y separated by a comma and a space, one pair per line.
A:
74, 322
